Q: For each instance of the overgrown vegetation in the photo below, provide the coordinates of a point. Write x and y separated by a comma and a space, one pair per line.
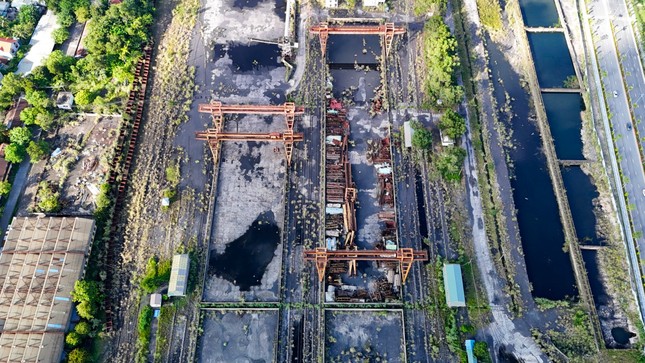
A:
143, 337
571, 82
422, 7
450, 163
490, 14
452, 125
157, 274
441, 62
48, 201
422, 137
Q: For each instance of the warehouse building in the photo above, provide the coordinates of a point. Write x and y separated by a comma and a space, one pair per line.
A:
453, 285
179, 275
41, 260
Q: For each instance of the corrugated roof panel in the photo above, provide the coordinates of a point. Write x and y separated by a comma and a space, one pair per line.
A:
453, 285
178, 275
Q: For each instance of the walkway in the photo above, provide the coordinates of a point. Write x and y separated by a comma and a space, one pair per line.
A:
17, 188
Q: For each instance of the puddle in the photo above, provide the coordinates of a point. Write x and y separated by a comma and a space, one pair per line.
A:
622, 335
254, 57
351, 49
245, 260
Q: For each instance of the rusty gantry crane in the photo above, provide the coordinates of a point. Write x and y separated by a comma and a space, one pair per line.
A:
214, 136
387, 31
405, 257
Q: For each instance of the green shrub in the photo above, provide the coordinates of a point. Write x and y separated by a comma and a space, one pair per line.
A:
15, 153
450, 163
37, 150
5, 188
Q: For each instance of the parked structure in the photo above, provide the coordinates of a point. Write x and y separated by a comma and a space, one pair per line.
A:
8, 48
453, 285
41, 260
179, 275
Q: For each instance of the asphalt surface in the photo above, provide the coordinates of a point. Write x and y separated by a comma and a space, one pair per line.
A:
18, 186
609, 21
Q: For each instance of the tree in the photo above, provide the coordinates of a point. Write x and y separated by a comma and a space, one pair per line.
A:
14, 153
73, 339
45, 119
78, 355
47, 198
84, 97
421, 138
58, 63
83, 328
5, 188
86, 310
60, 35
452, 125
449, 163
20, 135
38, 99
28, 115
85, 291
481, 351
440, 57
37, 150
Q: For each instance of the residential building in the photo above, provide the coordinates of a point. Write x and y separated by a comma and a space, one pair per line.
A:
65, 100
453, 285
179, 275
12, 119
40, 262
8, 48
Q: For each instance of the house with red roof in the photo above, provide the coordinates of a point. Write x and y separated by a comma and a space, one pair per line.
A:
8, 48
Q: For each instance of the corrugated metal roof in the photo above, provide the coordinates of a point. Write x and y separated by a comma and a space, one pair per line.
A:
407, 133
179, 275
453, 285
470, 346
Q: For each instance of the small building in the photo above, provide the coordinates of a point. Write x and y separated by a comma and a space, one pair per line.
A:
331, 3
155, 301
12, 119
8, 48
470, 351
445, 139
453, 285
65, 100
372, 3
165, 202
179, 275
408, 131
20, 3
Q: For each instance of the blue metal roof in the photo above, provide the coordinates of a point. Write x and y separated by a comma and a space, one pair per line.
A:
470, 346
454, 285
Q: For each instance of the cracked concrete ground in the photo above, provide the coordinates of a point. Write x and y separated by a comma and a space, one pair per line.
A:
238, 336
370, 336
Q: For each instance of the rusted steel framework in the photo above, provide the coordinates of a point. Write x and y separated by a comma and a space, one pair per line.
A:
405, 257
387, 31
215, 135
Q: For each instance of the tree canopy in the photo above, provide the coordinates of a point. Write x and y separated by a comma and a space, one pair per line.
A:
5, 188
20, 135
421, 138
441, 60
37, 150
450, 162
452, 124
14, 153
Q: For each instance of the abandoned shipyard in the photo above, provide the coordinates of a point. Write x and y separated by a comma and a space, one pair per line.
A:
322, 181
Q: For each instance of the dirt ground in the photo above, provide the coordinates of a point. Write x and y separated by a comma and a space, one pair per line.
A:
374, 336
238, 336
